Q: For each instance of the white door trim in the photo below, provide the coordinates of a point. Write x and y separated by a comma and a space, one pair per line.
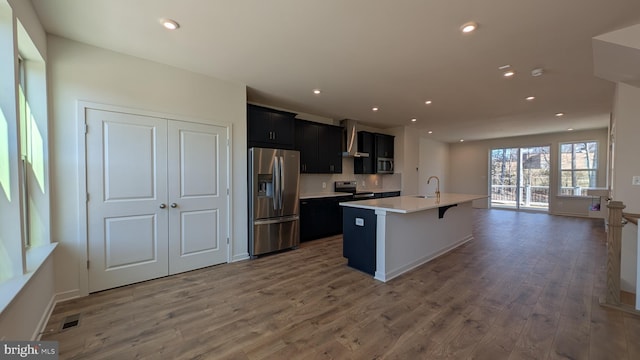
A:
82, 245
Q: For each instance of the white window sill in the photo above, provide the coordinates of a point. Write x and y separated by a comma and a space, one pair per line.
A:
585, 197
10, 288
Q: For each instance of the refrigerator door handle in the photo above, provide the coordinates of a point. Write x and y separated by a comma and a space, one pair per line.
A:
277, 220
281, 180
276, 183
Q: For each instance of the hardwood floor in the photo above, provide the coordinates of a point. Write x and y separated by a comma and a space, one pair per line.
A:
526, 287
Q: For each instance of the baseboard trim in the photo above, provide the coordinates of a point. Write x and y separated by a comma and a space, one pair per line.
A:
67, 295
42, 324
403, 269
240, 257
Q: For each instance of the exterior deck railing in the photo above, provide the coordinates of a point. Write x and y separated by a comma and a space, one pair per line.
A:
535, 196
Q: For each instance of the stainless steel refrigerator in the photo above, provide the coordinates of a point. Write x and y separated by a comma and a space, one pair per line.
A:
274, 185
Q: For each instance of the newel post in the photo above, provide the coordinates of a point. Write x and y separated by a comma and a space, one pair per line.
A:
614, 245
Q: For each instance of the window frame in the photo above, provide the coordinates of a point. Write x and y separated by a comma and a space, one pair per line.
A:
578, 191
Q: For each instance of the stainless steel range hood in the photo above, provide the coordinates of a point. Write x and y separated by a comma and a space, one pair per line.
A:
350, 142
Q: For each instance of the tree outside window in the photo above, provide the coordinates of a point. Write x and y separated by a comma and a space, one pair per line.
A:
578, 167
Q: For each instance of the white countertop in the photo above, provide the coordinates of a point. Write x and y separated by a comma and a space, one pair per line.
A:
412, 203
336, 194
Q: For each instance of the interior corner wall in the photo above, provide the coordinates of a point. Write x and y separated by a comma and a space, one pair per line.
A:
434, 161
80, 72
627, 147
626, 114
406, 157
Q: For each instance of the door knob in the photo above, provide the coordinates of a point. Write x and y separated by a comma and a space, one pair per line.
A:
174, 205
162, 206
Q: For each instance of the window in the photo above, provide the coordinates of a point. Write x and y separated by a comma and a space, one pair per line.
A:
23, 112
24, 189
578, 167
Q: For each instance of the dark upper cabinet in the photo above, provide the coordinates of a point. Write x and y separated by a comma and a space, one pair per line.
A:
377, 146
365, 165
306, 141
320, 147
384, 146
270, 128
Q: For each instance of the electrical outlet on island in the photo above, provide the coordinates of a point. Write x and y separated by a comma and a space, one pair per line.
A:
324, 185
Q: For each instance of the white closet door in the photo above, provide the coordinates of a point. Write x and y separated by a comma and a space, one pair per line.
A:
127, 208
198, 214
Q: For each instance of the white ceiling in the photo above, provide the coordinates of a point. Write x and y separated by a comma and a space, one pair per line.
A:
389, 54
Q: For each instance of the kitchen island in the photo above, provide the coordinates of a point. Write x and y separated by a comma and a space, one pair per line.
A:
389, 236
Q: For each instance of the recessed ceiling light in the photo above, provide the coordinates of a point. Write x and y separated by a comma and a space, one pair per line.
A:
508, 74
317, 91
170, 24
468, 27
570, 129
414, 120
537, 72
428, 102
530, 98
504, 67
375, 109
430, 132
461, 140
559, 114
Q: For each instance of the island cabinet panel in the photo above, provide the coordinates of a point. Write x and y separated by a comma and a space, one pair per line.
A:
320, 147
270, 128
359, 240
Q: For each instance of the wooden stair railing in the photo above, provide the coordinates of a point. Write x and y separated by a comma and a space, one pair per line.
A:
614, 247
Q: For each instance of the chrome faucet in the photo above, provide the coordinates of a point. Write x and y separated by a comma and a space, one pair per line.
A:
437, 185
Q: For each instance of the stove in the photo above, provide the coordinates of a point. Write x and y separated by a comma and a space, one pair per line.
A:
351, 187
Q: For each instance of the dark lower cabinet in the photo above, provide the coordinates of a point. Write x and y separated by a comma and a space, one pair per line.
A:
359, 238
321, 217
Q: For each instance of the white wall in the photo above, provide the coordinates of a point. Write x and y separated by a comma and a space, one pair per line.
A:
626, 165
434, 161
27, 315
407, 157
82, 72
469, 164
627, 146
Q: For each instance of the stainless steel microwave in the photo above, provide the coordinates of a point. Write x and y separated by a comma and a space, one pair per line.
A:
384, 166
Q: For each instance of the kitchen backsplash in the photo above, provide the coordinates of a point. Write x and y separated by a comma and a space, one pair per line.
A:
313, 183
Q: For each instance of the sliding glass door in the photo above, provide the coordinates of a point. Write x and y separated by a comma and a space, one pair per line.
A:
520, 178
